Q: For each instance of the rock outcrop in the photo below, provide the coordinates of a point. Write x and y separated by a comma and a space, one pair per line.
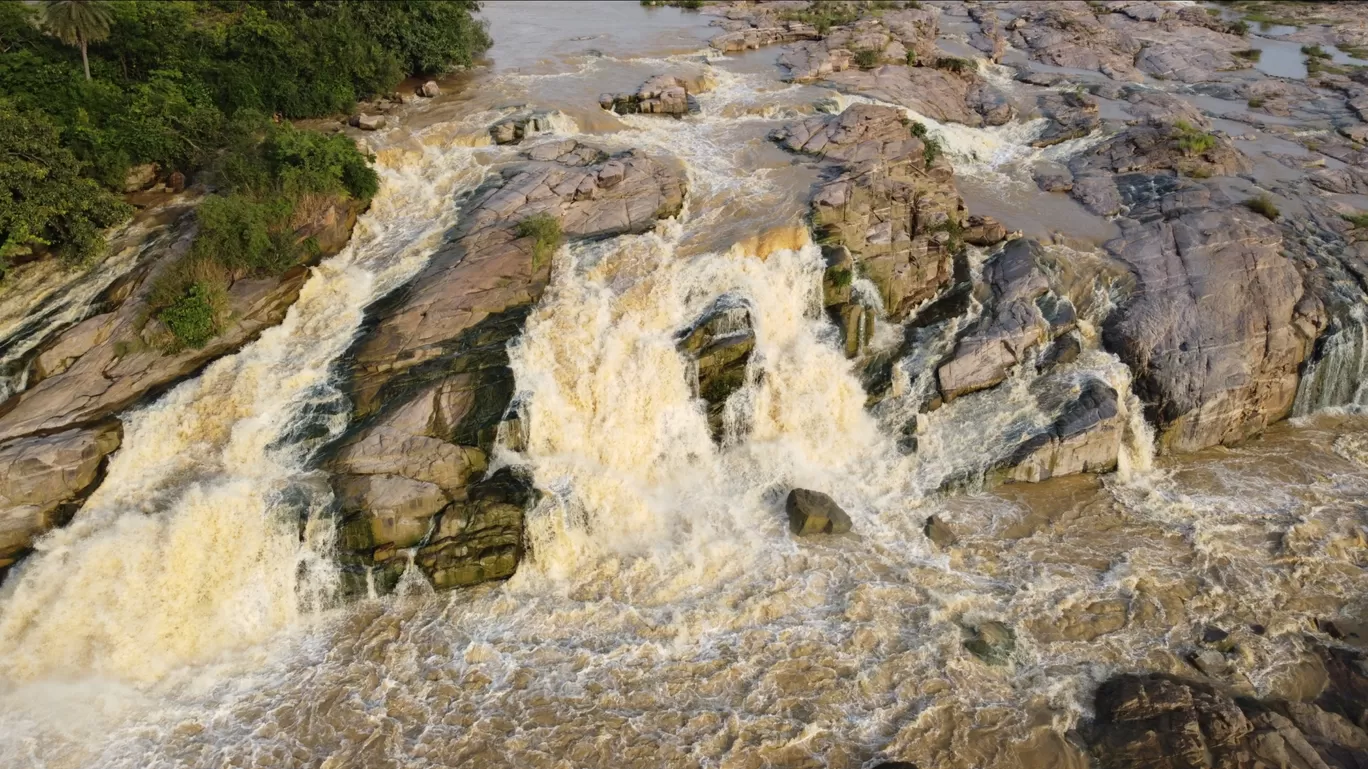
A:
719, 344
55, 435
515, 128
766, 32
1217, 327
660, 95
431, 383
1142, 150
894, 207
43, 479
1165, 722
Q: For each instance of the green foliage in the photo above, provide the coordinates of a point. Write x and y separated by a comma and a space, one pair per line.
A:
931, 148
1256, 102
1358, 220
1250, 54
825, 14
840, 278
867, 58
44, 199
193, 317
1192, 140
954, 64
1262, 204
911, 58
1239, 27
1315, 52
545, 231
177, 81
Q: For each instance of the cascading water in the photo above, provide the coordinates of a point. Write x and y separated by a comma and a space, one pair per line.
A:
1338, 375
665, 616
191, 546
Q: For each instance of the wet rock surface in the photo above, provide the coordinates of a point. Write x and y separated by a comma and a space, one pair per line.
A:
661, 95
1216, 330
719, 345
812, 512
431, 382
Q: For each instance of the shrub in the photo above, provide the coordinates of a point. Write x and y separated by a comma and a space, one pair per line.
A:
1358, 220
1262, 204
1192, 140
954, 64
825, 14
911, 58
1256, 102
867, 58
1315, 52
1250, 54
194, 317
545, 231
1240, 27
931, 146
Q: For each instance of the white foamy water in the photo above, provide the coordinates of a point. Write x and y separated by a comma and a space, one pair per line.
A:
665, 616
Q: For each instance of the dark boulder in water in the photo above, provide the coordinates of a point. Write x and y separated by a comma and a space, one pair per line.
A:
812, 512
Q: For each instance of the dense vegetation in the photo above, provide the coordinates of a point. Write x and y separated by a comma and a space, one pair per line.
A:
192, 85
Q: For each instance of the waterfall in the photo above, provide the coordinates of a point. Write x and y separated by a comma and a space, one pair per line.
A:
192, 545
1337, 375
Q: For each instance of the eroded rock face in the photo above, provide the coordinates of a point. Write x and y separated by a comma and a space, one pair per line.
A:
891, 208
766, 32
43, 478
112, 360
1099, 174
1069, 35
515, 128
431, 383
1157, 721
1216, 329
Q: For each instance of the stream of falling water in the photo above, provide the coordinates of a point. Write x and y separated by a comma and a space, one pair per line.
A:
665, 616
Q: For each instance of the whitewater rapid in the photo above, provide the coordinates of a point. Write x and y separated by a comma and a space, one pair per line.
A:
664, 616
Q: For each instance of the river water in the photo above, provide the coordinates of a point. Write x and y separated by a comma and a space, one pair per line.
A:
666, 617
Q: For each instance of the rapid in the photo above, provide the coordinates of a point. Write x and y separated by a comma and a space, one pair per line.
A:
191, 613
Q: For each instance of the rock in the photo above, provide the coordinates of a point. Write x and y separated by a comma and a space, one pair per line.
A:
1069, 35
719, 343
1215, 331
44, 478
982, 231
660, 95
936, 531
752, 38
889, 207
429, 90
991, 103
1052, 177
1061, 352
141, 177
431, 383
112, 360
1001, 338
1213, 635
812, 512
936, 93
1085, 436
1210, 662
1071, 115
368, 122
1164, 722
992, 642
515, 128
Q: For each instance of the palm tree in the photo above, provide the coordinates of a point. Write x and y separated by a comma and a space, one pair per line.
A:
78, 22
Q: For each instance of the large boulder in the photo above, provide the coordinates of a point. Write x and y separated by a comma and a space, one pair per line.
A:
44, 478
431, 383
1216, 329
1164, 722
523, 125
812, 512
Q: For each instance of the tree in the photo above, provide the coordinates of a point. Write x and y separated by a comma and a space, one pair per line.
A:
78, 22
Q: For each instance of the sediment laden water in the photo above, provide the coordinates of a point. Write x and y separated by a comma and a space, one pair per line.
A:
664, 617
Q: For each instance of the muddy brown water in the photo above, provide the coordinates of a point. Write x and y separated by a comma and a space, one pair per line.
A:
668, 618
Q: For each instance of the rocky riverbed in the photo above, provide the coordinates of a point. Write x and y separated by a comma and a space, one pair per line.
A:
953, 384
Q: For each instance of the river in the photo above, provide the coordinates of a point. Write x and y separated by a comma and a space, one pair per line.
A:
666, 616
